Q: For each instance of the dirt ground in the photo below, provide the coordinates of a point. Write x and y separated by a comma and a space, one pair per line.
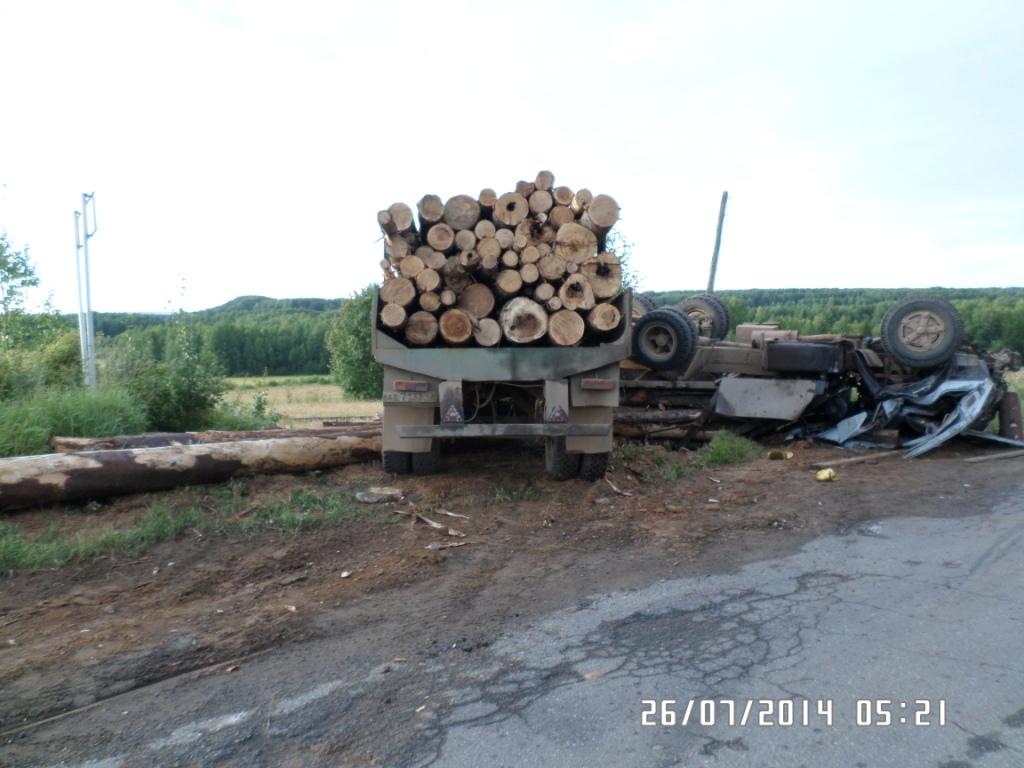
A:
200, 605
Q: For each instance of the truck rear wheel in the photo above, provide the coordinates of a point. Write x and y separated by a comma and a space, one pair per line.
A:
428, 463
922, 332
709, 313
559, 463
664, 339
593, 465
395, 462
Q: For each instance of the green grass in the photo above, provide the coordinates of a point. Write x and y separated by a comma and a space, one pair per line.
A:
654, 464
262, 382
514, 492
26, 425
221, 511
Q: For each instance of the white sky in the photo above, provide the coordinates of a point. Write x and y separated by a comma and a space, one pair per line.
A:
245, 147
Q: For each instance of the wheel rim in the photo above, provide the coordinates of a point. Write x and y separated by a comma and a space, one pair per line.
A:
658, 341
922, 330
703, 320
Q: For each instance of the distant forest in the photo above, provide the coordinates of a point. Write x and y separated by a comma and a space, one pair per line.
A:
255, 335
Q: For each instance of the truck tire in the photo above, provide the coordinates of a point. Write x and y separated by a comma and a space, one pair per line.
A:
395, 462
559, 463
642, 304
593, 465
709, 313
664, 339
428, 463
922, 332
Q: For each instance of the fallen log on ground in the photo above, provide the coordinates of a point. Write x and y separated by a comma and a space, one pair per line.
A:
338, 428
30, 481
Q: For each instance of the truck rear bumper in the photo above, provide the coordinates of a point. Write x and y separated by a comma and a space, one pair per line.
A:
505, 430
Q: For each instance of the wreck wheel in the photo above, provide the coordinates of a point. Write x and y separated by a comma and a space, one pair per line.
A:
922, 332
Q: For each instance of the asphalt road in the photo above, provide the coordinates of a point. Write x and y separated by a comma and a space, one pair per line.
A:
905, 609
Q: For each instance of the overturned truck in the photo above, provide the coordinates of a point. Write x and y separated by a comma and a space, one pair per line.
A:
916, 385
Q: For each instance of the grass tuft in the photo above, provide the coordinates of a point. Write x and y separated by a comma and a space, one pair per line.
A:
726, 448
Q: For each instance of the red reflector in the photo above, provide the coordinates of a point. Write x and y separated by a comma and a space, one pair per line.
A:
602, 385
402, 385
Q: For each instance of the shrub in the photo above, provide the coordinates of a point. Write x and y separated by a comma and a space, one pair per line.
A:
726, 448
179, 391
27, 424
348, 342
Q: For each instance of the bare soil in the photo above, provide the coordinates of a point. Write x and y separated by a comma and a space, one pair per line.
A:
201, 604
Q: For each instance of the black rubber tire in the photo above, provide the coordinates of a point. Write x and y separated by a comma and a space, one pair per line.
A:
395, 462
949, 336
643, 304
593, 465
428, 463
709, 313
559, 463
664, 339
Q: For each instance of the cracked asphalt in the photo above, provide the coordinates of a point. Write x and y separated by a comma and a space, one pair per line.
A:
902, 609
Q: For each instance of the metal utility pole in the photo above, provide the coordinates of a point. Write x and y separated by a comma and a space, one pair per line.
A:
718, 242
86, 332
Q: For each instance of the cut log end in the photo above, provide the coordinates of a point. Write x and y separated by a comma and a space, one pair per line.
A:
576, 293
455, 327
487, 332
421, 328
545, 180
565, 328
523, 320
604, 318
393, 317
510, 209
477, 301
575, 243
604, 275
398, 290
461, 212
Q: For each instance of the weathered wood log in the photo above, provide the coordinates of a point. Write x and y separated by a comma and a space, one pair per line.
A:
369, 427
477, 301
529, 255
604, 275
505, 238
428, 280
430, 301
529, 274
552, 305
484, 228
581, 201
575, 243
411, 266
510, 259
562, 196
487, 198
431, 258
468, 260
387, 226
523, 320
441, 237
401, 217
431, 211
398, 290
601, 215
397, 248
393, 317
448, 297
34, 481
541, 201
510, 210
520, 242
561, 214
455, 275
628, 415
604, 318
565, 328
465, 240
571, 268
545, 180
576, 293
508, 282
535, 232
487, 332
525, 188
489, 249
461, 212
543, 292
488, 266
552, 267
455, 327
421, 329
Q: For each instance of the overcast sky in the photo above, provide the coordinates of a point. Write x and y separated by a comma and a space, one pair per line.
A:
245, 147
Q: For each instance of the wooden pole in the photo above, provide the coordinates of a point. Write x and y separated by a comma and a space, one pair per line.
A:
718, 242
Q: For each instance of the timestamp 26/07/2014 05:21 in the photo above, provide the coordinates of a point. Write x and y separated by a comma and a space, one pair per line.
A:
873, 712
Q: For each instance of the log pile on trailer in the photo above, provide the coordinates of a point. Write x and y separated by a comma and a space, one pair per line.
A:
525, 267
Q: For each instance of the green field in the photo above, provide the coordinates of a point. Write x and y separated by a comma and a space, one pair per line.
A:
301, 401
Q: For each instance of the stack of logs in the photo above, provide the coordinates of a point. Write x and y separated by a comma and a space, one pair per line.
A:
525, 267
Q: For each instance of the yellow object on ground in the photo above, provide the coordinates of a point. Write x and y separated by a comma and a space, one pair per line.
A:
825, 475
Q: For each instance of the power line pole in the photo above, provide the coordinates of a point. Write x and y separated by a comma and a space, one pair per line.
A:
718, 242
86, 331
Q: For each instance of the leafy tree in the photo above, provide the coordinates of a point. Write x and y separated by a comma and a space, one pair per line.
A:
16, 275
348, 341
623, 248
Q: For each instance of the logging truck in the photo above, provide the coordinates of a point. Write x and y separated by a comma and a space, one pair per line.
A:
565, 395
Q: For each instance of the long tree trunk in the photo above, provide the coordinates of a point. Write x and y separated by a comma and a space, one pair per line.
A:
32, 481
